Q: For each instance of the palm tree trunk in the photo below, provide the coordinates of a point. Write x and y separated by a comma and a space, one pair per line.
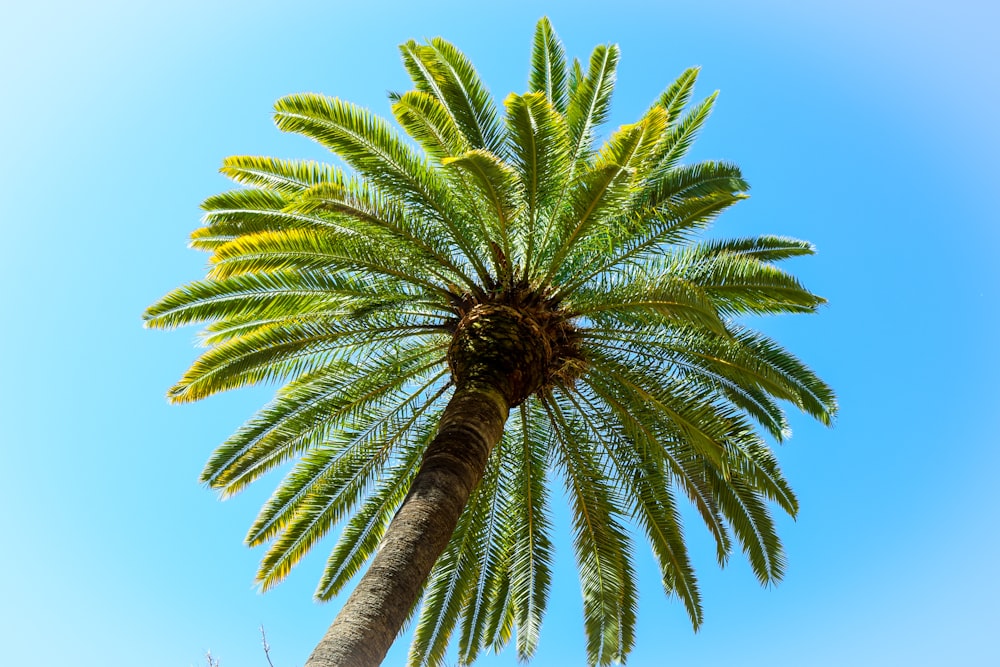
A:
455, 461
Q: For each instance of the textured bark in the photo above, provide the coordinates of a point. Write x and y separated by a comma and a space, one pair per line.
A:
366, 627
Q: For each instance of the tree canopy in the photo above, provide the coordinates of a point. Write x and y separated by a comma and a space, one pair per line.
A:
501, 237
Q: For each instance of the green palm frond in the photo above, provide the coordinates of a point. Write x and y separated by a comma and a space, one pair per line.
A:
605, 189
363, 532
540, 154
427, 120
455, 575
497, 186
306, 411
438, 68
350, 459
678, 93
242, 212
647, 480
284, 350
548, 67
494, 545
258, 295
751, 523
603, 550
676, 455
652, 348
529, 524
676, 143
288, 177
369, 146
590, 100
737, 284
642, 234
646, 299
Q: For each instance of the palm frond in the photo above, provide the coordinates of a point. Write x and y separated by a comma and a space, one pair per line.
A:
531, 563
383, 221
427, 120
308, 410
242, 212
360, 537
540, 154
288, 177
548, 67
284, 350
258, 295
678, 93
495, 546
601, 544
590, 99
678, 349
642, 234
643, 475
752, 523
327, 484
675, 145
497, 185
442, 70
602, 191
368, 145
646, 299
645, 427
739, 283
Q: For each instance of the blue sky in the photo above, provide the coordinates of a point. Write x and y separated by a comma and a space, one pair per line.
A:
868, 128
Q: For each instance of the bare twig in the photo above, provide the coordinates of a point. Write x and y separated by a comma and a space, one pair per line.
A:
267, 647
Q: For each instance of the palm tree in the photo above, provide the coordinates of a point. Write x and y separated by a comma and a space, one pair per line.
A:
457, 325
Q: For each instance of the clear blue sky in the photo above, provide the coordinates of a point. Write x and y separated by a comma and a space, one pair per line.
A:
867, 127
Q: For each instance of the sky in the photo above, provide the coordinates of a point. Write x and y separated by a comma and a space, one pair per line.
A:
867, 127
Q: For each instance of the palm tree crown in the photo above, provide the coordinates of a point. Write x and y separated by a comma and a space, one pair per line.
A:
510, 254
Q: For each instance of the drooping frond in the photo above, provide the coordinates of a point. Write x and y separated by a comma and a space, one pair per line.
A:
363, 532
645, 427
328, 482
752, 523
453, 581
494, 545
531, 562
307, 410
603, 550
643, 473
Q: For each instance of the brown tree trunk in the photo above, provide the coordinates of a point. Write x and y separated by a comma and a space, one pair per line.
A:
366, 627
